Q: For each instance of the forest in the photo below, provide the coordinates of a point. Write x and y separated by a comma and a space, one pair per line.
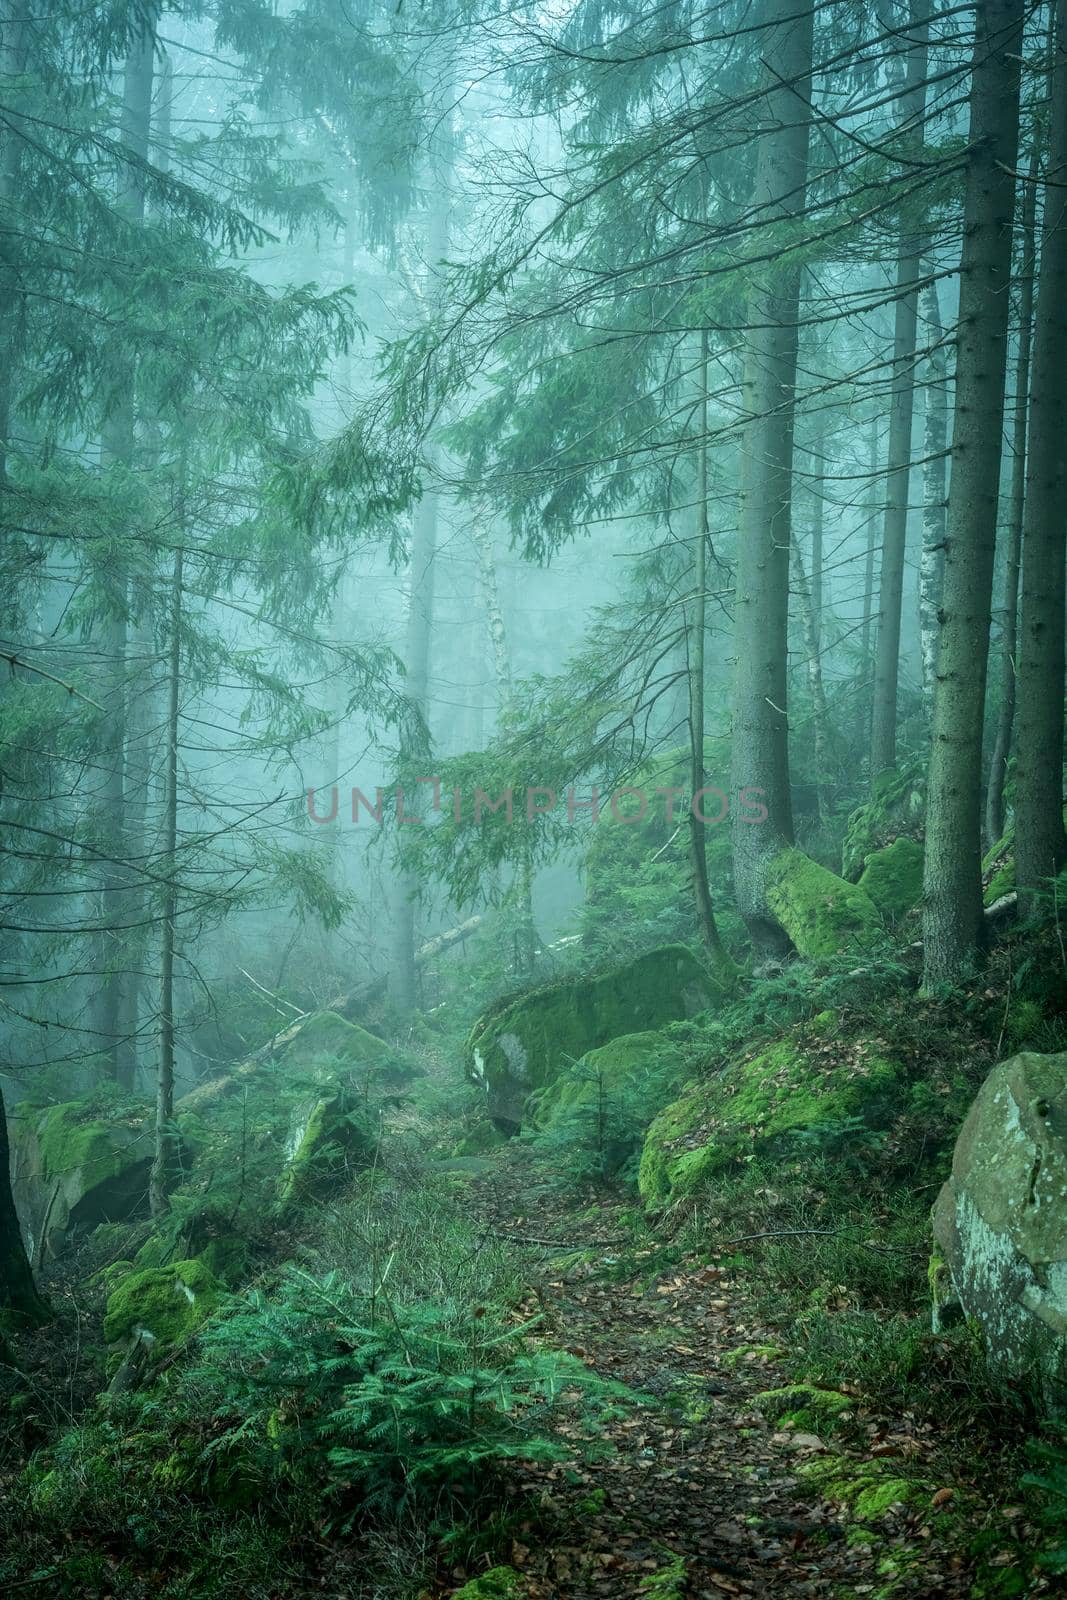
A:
533, 830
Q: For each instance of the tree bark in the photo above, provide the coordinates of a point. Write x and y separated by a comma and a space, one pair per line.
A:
760, 725
696, 631
901, 410
20, 1304
820, 713
952, 890
1040, 848
112, 1010
998, 770
164, 1157
935, 478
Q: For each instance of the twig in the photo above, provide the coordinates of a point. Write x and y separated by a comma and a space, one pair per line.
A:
28, 666
554, 1244
797, 1233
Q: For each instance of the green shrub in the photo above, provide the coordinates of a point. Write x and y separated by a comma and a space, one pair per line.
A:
1049, 1481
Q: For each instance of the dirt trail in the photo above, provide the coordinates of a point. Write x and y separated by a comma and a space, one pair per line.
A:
701, 1495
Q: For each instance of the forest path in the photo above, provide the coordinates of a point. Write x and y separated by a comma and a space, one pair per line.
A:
700, 1495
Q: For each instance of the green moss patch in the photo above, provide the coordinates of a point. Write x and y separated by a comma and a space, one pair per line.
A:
170, 1303
805, 1408
822, 913
794, 1086
499, 1583
522, 1044
893, 878
871, 1489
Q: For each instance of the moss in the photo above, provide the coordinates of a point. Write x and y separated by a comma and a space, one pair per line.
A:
998, 866
821, 913
325, 1139
869, 1488
613, 1070
805, 1407
69, 1141
753, 1352
669, 1582
520, 1044
482, 1138
893, 878
328, 1034
169, 1303
787, 1089
895, 809
499, 1583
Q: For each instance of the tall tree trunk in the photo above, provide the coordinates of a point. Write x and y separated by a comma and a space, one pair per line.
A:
696, 631
901, 410
820, 713
952, 890
20, 1304
935, 480
760, 725
112, 1022
164, 1159
1040, 850
528, 942
998, 770
13, 41
865, 675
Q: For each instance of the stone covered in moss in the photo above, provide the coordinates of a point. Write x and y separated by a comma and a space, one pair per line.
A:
499, 1583
805, 1407
754, 1106
164, 1304
1000, 1221
893, 878
328, 1035
75, 1165
822, 913
521, 1044
326, 1141
896, 809
615, 1070
998, 866
871, 1489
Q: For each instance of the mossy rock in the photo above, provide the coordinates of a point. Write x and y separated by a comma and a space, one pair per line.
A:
521, 1044
479, 1140
327, 1141
164, 1305
1000, 1222
896, 809
797, 1085
822, 914
328, 1035
74, 1166
998, 866
893, 878
499, 1583
620, 1068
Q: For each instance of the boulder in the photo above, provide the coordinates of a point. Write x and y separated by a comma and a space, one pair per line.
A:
326, 1141
72, 1168
822, 914
610, 1096
522, 1043
1000, 1222
895, 809
161, 1307
798, 1086
893, 878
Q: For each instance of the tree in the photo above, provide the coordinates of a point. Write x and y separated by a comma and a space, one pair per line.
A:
1040, 847
20, 1304
760, 756
952, 891
901, 410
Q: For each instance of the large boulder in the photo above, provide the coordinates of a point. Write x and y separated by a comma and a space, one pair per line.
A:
824, 915
606, 1100
162, 1306
1000, 1221
521, 1044
807, 1085
73, 1167
893, 877
326, 1142
896, 809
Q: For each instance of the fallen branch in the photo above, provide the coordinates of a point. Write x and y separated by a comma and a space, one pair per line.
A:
835, 1233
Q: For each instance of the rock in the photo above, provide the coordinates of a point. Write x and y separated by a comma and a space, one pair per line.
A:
795, 1086
522, 1043
822, 914
327, 1039
611, 1095
998, 867
1000, 1221
327, 1140
893, 878
72, 1168
896, 809
161, 1306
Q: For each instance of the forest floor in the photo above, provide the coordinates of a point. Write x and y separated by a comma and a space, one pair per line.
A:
699, 1492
